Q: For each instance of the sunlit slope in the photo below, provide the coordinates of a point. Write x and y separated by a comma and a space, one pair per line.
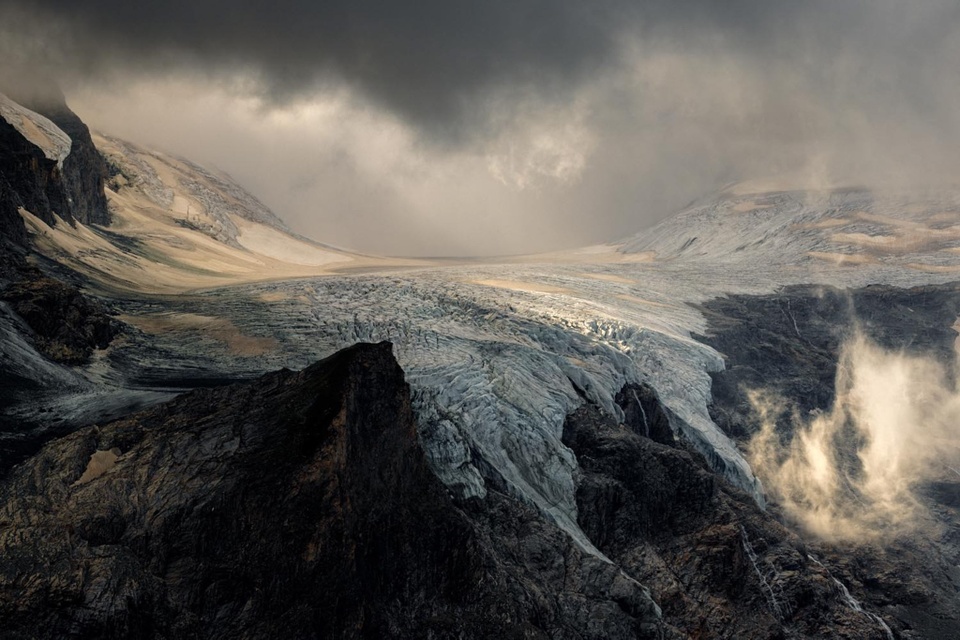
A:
870, 233
176, 227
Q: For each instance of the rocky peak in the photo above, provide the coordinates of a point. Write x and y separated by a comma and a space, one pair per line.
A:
297, 505
48, 162
84, 169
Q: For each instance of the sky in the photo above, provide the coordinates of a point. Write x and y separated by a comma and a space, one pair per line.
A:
447, 127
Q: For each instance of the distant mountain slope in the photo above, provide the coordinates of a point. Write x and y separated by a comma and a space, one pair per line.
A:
218, 199
177, 226
871, 233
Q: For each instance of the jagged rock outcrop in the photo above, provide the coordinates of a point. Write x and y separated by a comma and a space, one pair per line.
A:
718, 565
30, 180
84, 170
11, 227
643, 413
299, 505
48, 166
67, 326
13, 235
75, 190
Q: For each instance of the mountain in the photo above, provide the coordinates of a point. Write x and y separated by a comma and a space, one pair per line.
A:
176, 227
298, 505
302, 505
588, 418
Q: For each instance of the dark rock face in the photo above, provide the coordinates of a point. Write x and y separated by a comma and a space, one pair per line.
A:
790, 343
718, 565
13, 234
84, 170
12, 231
644, 414
30, 180
67, 325
296, 506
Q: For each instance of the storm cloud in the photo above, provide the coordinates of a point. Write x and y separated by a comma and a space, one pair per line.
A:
509, 126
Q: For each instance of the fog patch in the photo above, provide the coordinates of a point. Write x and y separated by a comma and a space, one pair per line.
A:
853, 473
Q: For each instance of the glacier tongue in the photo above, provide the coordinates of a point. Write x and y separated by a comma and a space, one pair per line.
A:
495, 371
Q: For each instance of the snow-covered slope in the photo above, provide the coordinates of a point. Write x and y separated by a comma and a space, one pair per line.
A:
874, 236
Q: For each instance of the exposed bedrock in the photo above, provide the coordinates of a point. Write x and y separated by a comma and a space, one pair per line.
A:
75, 190
718, 565
298, 505
790, 343
301, 505
65, 325
28, 179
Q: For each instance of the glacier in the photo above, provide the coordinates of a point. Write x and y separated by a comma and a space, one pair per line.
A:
498, 351
497, 354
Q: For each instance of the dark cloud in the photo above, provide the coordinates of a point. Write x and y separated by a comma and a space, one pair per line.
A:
431, 61
438, 63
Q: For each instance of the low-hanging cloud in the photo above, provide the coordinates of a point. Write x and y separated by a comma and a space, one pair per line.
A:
575, 122
855, 472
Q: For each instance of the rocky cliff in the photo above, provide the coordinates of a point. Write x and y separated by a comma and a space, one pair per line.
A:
75, 190
48, 165
30, 180
719, 566
299, 505
13, 235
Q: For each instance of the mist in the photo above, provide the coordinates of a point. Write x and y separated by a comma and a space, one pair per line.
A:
855, 473
520, 128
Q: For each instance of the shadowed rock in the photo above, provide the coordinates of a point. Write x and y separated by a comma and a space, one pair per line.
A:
719, 566
299, 505
74, 191
790, 343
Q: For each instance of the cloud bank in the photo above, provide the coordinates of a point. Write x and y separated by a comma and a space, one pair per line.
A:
498, 127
